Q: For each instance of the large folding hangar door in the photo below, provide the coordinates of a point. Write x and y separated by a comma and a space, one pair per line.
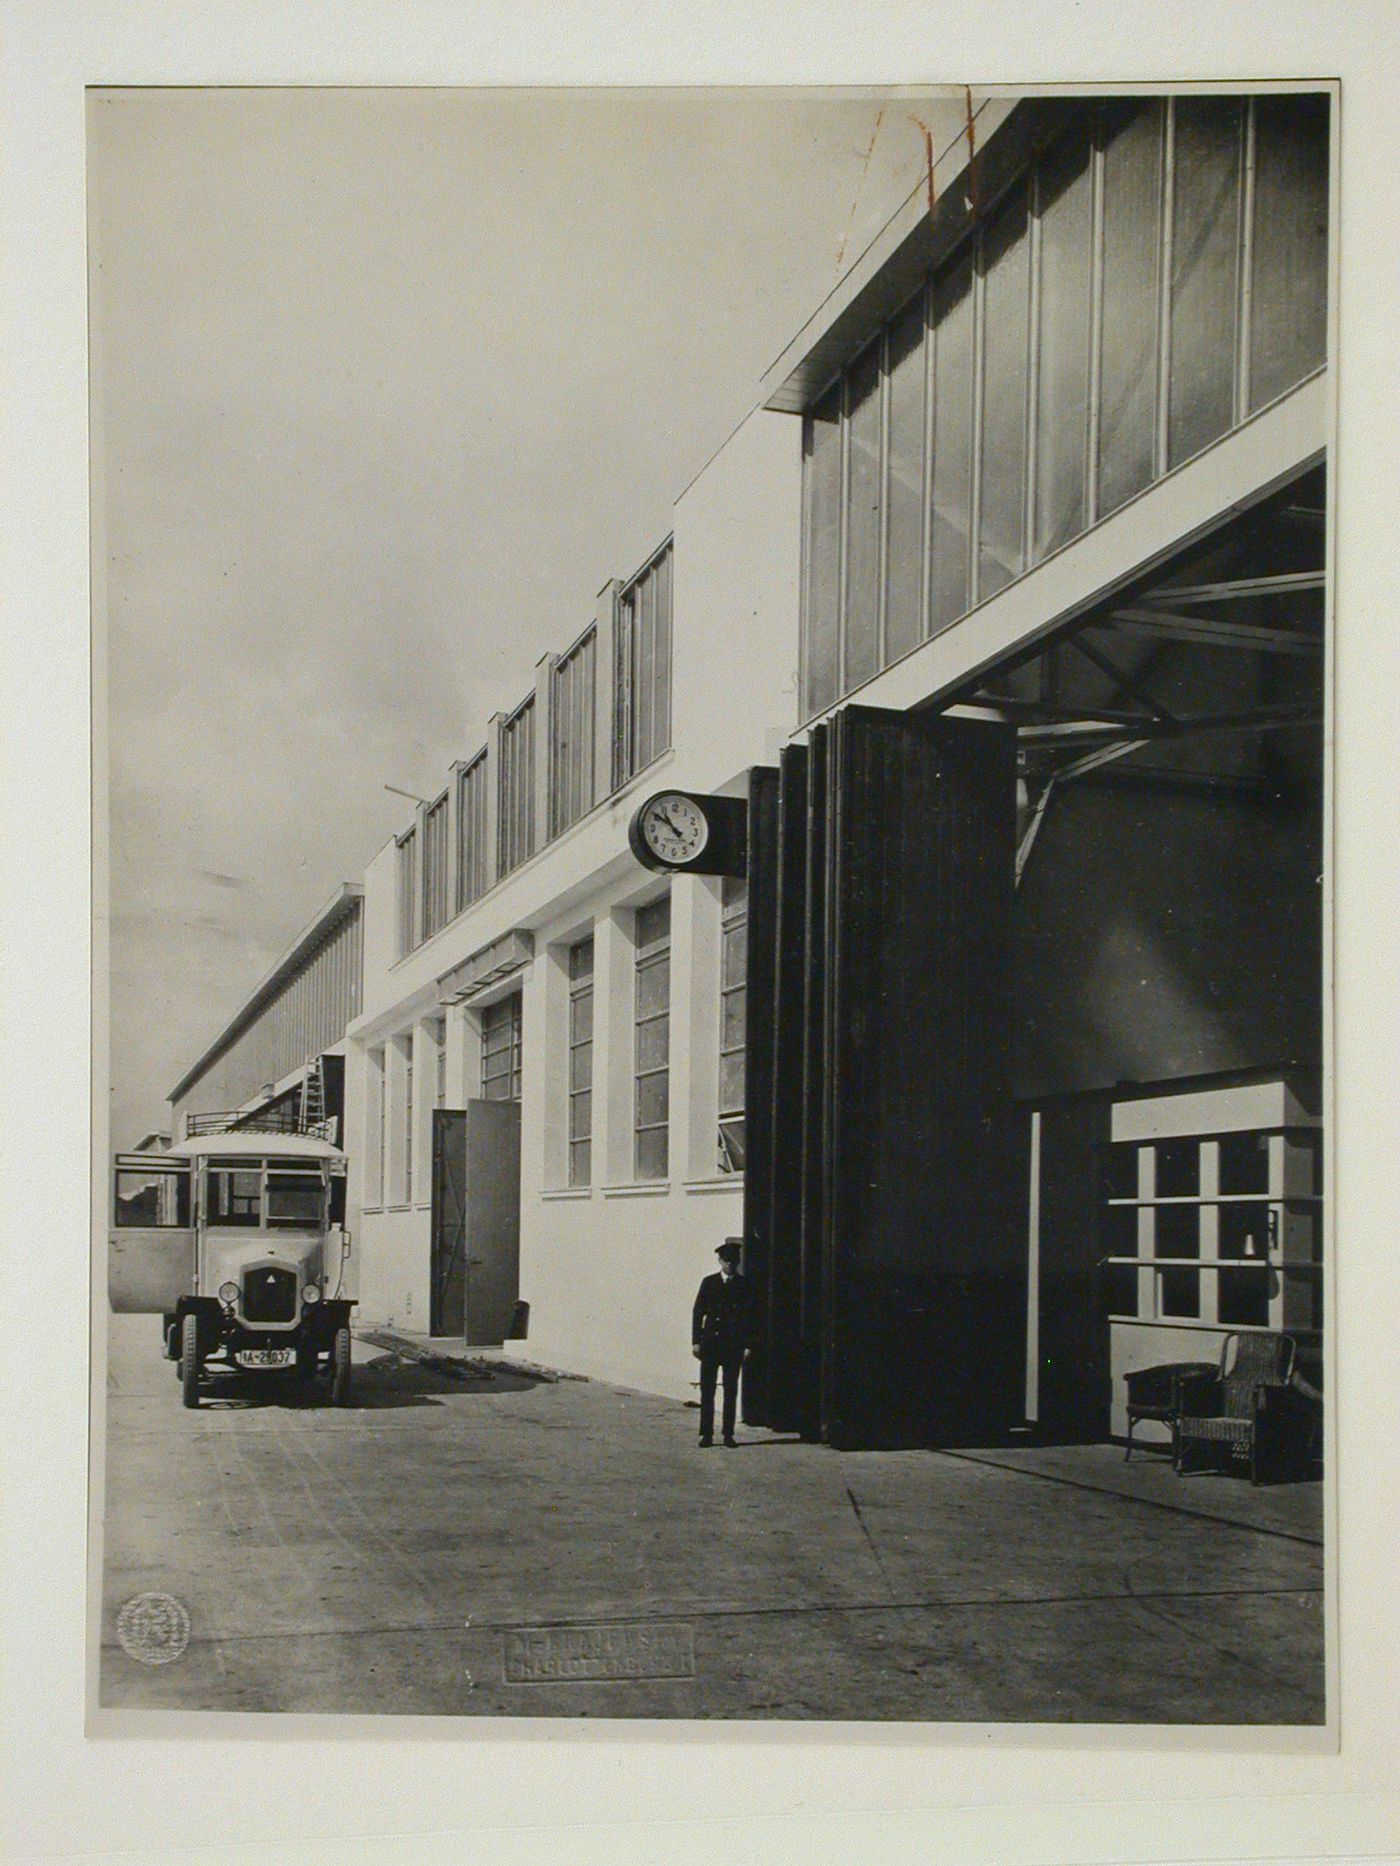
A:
880, 1222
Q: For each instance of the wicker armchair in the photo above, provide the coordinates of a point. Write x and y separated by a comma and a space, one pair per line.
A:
1245, 1413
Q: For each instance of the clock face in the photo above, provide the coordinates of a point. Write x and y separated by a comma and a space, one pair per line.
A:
674, 828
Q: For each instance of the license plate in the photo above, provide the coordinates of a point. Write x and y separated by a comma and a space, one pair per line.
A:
264, 1357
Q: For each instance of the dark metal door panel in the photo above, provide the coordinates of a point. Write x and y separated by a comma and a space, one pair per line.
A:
924, 1343
762, 869
812, 1139
449, 1221
784, 1345
492, 1281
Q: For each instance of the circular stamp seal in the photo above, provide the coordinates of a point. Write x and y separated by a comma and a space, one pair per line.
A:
153, 1628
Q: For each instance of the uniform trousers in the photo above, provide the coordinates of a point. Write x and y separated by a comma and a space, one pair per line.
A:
711, 1366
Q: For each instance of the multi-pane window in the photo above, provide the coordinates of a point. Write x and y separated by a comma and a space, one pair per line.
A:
435, 857
571, 731
408, 891
379, 1126
500, 1050
733, 977
581, 1063
233, 1194
516, 793
652, 1106
1158, 276
642, 673
1225, 1230
473, 853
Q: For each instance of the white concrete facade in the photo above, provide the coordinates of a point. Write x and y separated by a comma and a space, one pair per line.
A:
610, 1269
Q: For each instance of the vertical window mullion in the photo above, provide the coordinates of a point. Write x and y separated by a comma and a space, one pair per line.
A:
1031, 423
1096, 242
842, 524
883, 481
974, 497
1246, 285
1161, 445
930, 430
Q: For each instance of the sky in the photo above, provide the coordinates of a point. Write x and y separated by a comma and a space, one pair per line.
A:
386, 385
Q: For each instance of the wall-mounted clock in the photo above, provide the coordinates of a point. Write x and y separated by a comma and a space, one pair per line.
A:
679, 831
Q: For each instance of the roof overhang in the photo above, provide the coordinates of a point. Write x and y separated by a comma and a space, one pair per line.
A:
489, 966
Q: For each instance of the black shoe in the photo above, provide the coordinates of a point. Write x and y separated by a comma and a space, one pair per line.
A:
732, 1443
705, 1443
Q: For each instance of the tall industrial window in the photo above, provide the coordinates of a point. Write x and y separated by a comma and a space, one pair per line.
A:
571, 731
733, 977
407, 1046
653, 1040
440, 1062
642, 674
408, 891
435, 858
581, 1063
473, 854
500, 1050
516, 796
1158, 276
379, 1126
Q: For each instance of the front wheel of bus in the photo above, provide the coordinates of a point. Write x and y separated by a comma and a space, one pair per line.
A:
189, 1360
340, 1368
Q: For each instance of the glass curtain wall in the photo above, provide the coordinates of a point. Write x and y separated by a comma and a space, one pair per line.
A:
1157, 277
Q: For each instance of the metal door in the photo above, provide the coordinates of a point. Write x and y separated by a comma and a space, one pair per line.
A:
447, 1310
476, 1221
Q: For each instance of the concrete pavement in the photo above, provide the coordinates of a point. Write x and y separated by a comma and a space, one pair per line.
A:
392, 1555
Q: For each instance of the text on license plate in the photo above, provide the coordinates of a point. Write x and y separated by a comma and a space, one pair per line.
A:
264, 1357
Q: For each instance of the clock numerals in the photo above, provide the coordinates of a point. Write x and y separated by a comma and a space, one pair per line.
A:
675, 829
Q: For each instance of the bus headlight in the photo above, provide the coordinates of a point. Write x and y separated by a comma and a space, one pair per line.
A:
312, 1293
228, 1292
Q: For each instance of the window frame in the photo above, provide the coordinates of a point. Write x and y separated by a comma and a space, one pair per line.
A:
733, 932
515, 789
407, 877
573, 711
642, 708
513, 1048
650, 954
581, 987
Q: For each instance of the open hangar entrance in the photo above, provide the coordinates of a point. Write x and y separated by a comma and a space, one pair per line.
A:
1035, 1012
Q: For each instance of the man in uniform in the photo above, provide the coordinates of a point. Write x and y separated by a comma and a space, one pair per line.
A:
721, 1330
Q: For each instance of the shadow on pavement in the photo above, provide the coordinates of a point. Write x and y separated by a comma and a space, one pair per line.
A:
379, 1386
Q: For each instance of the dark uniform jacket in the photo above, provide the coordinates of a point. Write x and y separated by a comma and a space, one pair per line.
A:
723, 1322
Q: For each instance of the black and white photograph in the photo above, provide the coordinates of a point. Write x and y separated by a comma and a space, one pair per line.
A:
716, 793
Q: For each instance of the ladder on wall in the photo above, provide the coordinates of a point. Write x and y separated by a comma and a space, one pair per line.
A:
313, 1098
